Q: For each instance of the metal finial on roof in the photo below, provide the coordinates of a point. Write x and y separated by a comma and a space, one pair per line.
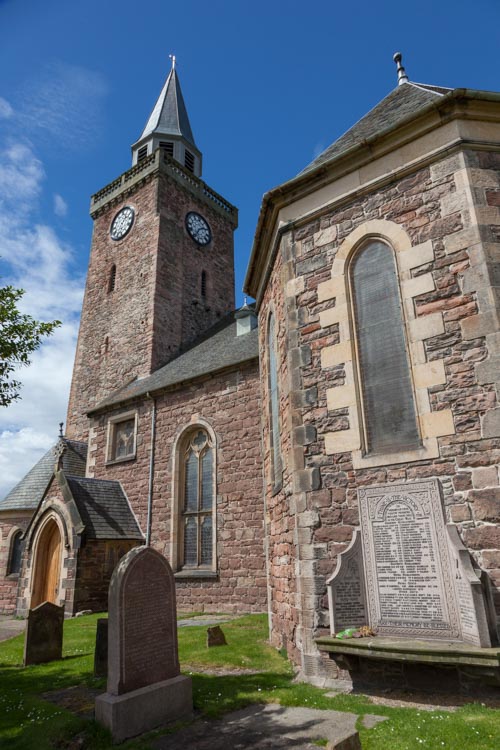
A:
61, 424
174, 60
402, 77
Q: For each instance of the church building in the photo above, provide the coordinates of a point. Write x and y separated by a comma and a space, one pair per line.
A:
357, 422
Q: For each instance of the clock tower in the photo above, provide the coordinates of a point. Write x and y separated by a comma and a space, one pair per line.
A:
161, 262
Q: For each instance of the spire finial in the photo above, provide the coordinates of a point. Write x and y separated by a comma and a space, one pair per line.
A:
61, 424
402, 77
174, 60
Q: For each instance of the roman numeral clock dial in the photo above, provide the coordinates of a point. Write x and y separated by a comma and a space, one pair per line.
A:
198, 228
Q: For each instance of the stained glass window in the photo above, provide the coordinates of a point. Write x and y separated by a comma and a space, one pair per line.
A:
274, 403
198, 501
388, 405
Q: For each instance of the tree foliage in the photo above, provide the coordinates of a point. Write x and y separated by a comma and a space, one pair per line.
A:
20, 336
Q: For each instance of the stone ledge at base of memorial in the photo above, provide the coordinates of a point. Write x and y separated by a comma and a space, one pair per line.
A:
433, 665
142, 710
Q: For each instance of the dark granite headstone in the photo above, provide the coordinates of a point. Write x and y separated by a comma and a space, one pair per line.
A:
101, 648
44, 634
145, 687
346, 589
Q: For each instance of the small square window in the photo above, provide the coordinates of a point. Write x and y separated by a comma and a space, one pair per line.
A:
121, 438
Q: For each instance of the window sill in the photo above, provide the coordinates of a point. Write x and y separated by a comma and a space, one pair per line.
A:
196, 574
113, 461
276, 488
429, 449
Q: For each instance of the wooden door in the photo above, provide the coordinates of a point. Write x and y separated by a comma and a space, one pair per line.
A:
47, 566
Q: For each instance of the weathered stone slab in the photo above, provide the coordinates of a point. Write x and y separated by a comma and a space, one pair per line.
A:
44, 634
145, 688
101, 648
346, 589
216, 637
409, 583
469, 590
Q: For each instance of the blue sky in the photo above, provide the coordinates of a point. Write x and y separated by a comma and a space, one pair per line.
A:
268, 86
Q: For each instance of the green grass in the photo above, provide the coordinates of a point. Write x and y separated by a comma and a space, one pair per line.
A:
28, 721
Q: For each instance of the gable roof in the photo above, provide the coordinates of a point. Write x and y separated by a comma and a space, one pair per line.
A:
217, 349
169, 116
104, 509
27, 494
401, 103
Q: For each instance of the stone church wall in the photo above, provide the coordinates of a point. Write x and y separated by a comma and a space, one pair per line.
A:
9, 524
450, 211
228, 403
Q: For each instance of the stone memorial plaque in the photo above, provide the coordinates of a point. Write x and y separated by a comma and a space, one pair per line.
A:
44, 634
101, 648
410, 588
142, 622
346, 589
469, 591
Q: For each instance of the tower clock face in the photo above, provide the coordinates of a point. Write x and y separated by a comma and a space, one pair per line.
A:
122, 223
198, 228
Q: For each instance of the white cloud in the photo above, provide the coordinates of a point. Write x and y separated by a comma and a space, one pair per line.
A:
6, 110
38, 261
60, 205
64, 101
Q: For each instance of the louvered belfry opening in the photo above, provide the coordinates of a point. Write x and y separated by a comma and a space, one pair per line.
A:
168, 147
390, 423
198, 501
189, 160
142, 153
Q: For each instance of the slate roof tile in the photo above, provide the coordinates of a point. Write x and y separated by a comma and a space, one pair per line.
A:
104, 509
29, 491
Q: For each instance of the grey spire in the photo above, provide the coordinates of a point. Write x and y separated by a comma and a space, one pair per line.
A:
402, 77
168, 127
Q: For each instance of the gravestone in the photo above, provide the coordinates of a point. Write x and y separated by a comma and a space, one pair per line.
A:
215, 637
101, 648
44, 634
346, 589
145, 688
414, 571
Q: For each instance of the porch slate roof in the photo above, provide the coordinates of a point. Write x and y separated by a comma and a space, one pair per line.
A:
104, 508
27, 494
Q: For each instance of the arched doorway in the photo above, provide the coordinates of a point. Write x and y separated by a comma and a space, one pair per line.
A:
47, 565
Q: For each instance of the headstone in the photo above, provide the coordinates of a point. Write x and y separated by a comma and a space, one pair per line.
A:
215, 637
145, 688
44, 634
101, 648
346, 589
418, 581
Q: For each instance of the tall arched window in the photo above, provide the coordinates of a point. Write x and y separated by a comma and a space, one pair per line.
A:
112, 279
383, 368
16, 553
274, 403
203, 285
197, 501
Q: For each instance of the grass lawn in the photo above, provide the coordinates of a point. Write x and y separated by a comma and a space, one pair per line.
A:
29, 721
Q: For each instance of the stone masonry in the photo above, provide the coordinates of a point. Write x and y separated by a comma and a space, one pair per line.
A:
156, 306
447, 259
226, 402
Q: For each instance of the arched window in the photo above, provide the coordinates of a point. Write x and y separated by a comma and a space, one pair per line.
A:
16, 554
204, 284
383, 368
197, 501
274, 403
112, 279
